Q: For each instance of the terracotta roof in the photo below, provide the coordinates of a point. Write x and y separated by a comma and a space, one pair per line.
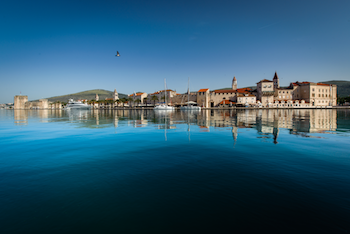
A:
202, 90
243, 95
264, 80
244, 90
138, 94
226, 102
225, 91
323, 84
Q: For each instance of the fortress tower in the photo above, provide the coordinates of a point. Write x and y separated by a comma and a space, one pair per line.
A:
20, 101
276, 81
234, 83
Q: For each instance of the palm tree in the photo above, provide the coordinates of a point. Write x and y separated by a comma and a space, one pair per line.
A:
145, 100
138, 100
154, 99
130, 99
123, 100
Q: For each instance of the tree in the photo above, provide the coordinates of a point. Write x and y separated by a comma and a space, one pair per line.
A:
123, 100
130, 99
138, 101
145, 101
154, 99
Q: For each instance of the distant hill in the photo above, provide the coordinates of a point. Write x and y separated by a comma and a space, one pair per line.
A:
89, 95
343, 87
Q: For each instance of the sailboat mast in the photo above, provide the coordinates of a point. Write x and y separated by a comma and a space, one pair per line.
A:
188, 92
165, 93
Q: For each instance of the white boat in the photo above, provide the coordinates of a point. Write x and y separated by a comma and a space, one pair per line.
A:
190, 104
77, 105
164, 106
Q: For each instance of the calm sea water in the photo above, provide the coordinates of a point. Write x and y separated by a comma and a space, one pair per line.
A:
285, 171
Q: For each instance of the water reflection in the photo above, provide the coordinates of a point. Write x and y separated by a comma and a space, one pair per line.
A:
266, 122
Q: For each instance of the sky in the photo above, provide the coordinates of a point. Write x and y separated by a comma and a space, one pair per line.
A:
52, 48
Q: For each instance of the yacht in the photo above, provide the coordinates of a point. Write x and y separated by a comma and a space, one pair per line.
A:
77, 105
164, 107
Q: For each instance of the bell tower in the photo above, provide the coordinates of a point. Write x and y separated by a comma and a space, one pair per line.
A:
276, 81
234, 83
115, 95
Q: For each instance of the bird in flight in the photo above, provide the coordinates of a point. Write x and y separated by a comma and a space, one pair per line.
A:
117, 54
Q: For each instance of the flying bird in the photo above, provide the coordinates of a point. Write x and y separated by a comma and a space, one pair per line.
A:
117, 54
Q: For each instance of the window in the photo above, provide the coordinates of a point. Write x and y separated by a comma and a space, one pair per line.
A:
319, 95
326, 95
322, 95
269, 86
313, 90
313, 95
323, 90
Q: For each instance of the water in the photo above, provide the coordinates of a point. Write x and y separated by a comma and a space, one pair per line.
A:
134, 171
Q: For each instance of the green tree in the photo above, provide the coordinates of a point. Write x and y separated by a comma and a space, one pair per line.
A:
123, 100
130, 99
138, 101
154, 99
145, 101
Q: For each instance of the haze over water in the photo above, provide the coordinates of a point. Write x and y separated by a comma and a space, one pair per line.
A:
140, 171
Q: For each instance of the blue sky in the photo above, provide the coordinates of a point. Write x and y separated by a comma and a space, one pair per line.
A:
50, 48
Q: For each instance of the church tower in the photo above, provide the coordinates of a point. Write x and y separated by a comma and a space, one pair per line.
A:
234, 83
115, 95
96, 97
276, 81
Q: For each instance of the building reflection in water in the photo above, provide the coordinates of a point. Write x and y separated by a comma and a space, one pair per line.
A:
267, 123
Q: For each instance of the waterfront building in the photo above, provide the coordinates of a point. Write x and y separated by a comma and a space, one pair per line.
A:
138, 98
172, 97
299, 94
265, 92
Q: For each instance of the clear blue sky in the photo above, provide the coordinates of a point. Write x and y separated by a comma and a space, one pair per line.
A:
50, 48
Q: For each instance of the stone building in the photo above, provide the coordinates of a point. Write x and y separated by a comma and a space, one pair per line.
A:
303, 94
265, 92
137, 98
21, 102
170, 94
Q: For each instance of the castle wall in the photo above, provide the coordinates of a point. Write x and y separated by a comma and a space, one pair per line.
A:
19, 101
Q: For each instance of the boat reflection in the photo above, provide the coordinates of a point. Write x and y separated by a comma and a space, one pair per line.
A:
267, 123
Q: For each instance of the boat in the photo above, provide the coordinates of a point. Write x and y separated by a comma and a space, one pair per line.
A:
76, 105
164, 106
190, 104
